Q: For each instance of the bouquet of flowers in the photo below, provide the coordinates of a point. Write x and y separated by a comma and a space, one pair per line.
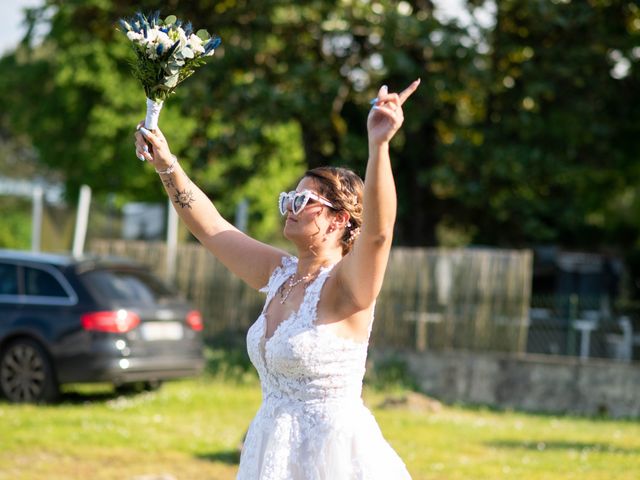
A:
167, 53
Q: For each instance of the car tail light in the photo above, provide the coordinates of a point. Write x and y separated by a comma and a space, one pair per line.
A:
194, 320
116, 321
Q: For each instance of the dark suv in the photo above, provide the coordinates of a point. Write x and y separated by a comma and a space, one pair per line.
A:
66, 320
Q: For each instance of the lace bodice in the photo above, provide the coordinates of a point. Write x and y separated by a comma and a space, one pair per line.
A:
312, 424
303, 361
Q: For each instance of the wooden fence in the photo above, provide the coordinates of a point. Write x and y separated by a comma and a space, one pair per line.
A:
439, 299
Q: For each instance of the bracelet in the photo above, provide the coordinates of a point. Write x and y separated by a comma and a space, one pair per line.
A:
170, 168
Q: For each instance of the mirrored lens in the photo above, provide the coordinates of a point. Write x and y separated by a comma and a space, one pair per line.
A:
283, 201
299, 201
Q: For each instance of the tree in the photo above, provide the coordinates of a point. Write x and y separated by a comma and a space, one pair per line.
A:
78, 103
557, 126
504, 143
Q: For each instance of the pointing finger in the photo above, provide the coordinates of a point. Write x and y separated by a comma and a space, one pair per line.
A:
407, 92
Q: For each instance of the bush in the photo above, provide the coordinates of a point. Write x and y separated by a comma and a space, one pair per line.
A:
390, 373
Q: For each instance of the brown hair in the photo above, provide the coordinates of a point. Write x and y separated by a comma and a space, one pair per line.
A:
343, 188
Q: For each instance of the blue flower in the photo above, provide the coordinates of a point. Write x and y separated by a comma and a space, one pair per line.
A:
212, 44
173, 48
155, 18
159, 49
124, 26
188, 29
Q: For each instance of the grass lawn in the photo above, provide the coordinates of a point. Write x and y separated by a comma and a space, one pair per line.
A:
192, 429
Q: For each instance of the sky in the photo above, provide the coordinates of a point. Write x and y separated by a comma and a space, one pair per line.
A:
12, 28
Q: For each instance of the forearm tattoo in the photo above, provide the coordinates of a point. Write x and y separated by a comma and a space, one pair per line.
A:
168, 182
184, 198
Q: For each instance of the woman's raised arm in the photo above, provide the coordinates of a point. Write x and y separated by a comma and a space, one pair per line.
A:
362, 270
249, 259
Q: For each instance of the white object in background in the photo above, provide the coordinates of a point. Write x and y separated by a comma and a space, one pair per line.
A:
622, 345
585, 327
36, 218
242, 215
172, 242
82, 220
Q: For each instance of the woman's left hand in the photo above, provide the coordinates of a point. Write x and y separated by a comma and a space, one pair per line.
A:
386, 116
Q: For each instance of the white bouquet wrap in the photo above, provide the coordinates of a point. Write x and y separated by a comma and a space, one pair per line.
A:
153, 114
167, 53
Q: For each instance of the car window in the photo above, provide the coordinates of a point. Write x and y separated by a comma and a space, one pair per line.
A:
136, 286
8, 279
39, 283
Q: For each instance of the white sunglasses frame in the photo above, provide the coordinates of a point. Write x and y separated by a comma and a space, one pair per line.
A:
290, 196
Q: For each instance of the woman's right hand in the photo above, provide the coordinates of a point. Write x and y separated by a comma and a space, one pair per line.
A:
153, 147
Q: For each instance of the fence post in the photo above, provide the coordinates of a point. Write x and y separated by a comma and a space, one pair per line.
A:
36, 218
573, 314
172, 242
82, 220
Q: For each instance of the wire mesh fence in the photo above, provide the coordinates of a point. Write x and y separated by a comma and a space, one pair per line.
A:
582, 326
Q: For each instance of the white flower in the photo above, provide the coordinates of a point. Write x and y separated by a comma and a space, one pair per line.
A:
182, 36
196, 44
195, 40
152, 35
134, 37
164, 39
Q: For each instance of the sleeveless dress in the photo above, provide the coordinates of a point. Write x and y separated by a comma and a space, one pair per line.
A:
312, 424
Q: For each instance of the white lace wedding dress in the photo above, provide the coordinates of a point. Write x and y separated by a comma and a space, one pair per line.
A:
312, 424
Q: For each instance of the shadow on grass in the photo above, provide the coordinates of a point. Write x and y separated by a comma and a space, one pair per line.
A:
101, 393
229, 457
541, 446
76, 398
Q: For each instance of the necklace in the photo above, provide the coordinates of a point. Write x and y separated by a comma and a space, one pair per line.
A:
291, 284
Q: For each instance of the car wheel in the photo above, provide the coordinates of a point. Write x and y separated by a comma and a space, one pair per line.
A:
26, 373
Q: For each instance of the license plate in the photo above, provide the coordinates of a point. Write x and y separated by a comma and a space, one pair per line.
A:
161, 331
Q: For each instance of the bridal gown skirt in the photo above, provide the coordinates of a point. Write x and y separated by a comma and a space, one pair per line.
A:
318, 442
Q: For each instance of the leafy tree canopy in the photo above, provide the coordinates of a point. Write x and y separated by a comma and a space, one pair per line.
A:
521, 133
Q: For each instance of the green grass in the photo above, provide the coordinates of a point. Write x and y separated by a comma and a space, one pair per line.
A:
192, 429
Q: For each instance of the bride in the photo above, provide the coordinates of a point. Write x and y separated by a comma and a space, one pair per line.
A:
309, 344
